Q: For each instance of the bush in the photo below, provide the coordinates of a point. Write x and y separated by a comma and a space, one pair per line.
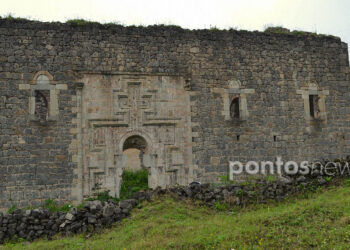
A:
133, 181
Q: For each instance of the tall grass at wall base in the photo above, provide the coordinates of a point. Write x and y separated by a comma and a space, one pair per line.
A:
133, 181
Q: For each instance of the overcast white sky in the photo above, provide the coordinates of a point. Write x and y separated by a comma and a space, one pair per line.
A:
321, 16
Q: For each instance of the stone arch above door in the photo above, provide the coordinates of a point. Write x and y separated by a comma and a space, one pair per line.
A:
137, 142
135, 150
142, 138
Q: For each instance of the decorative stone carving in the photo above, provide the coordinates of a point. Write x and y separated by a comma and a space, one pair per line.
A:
149, 113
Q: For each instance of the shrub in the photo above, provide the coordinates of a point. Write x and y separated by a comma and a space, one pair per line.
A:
133, 181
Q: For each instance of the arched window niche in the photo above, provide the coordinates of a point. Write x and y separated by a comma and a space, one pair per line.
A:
235, 109
43, 104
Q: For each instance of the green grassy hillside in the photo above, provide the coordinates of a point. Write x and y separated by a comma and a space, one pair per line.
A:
321, 220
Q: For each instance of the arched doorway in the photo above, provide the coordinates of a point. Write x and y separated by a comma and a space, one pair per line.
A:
134, 148
135, 174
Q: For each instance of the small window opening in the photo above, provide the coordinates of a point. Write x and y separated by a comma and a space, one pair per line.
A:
238, 136
42, 99
234, 108
274, 138
313, 101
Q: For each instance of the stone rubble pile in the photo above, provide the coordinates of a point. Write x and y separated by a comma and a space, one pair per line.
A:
38, 223
258, 191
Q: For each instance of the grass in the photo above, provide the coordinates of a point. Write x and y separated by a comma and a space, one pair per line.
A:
320, 221
212, 28
11, 17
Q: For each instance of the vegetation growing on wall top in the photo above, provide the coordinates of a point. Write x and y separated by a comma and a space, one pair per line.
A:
11, 17
213, 28
81, 22
282, 30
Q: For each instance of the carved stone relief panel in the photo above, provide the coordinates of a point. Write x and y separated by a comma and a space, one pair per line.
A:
153, 109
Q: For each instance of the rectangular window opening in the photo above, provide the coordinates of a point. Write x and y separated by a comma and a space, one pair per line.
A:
42, 102
313, 101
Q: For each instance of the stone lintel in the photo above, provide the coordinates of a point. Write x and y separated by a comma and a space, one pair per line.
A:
24, 86
62, 86
43, 87
248, 91
234, 91
312, 92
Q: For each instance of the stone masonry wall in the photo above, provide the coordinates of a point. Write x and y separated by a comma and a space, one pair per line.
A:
38, 161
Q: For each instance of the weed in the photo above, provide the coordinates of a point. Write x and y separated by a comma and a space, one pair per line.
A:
11, 17
53, 206
220, 206
224, 179
270, 178
239, 192
12, 209
133, 181
103, 196
328, 178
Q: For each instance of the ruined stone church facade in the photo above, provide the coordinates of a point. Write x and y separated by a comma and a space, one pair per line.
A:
74, 98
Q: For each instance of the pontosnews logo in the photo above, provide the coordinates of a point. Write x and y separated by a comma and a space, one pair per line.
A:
289, 168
